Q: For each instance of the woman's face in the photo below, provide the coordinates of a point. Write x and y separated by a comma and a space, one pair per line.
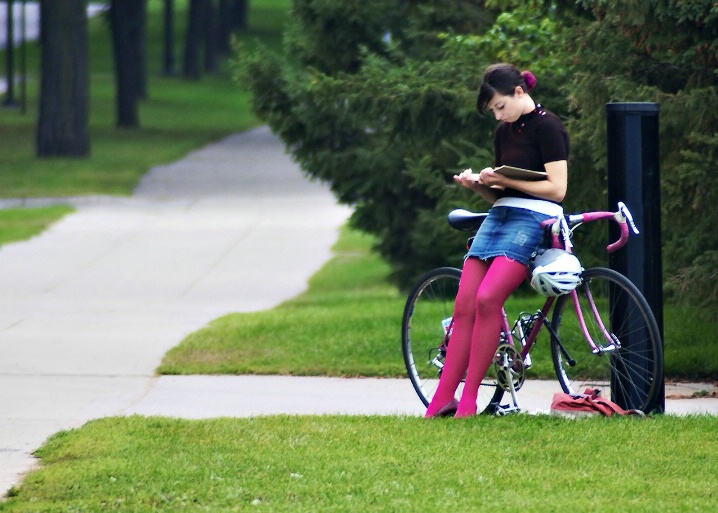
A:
507, 108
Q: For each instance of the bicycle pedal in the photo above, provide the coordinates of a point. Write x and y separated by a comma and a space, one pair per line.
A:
506, 409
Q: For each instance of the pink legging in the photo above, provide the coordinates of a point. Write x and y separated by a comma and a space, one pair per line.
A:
483, 290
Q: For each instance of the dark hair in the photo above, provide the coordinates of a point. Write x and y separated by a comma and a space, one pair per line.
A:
502, 79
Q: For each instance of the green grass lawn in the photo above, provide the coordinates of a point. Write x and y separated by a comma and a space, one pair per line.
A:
344, 326
18, 224
393, 464
348, 323
180, 116
177, 117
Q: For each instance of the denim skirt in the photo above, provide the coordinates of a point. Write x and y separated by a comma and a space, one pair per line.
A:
512, 232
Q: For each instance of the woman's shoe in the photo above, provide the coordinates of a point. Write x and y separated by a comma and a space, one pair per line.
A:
445, 411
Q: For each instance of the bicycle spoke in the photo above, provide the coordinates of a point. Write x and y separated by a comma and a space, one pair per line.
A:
629, 368
424, 330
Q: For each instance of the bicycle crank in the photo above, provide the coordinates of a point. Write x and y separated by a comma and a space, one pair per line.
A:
510, 368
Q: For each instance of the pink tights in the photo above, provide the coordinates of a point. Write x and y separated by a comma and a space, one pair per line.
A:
483, 290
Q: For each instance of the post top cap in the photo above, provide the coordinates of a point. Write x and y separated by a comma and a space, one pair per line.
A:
631, 107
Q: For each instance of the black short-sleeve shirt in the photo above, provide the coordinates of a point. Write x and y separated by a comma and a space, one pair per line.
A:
530, 142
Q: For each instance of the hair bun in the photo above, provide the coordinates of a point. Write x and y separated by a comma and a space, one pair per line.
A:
529, 78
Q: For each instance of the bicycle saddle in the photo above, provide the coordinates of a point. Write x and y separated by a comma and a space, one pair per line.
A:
464, 220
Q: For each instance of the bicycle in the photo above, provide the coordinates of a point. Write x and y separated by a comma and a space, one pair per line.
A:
603, 334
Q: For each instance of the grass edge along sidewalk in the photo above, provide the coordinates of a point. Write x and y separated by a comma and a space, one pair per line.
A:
19, 224
218, 108
348, 324
353, 463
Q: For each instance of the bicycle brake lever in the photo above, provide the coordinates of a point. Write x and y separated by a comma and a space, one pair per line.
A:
623, 209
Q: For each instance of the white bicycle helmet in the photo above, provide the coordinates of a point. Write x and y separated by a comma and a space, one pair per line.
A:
555, 272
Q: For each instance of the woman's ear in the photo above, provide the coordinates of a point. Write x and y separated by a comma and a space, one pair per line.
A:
519, 91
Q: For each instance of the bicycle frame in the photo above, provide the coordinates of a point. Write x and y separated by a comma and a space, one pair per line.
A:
561, 238
635, 359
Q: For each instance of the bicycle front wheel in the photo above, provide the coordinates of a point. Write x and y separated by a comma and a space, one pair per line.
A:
628, 365
426, 333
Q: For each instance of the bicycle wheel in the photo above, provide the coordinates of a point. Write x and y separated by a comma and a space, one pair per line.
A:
425, 335
629, 369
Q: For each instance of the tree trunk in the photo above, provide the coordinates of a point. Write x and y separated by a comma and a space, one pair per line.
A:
138, 34
169, 42
224, 29
128, 37
211, 37
193, 41
62, 128
240, 14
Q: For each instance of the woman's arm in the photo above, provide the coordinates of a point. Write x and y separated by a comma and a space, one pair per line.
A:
552, 189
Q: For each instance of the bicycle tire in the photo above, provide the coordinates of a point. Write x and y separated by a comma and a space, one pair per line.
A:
431, 302
631, 375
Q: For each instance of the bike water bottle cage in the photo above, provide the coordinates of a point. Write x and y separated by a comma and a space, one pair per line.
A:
555, 272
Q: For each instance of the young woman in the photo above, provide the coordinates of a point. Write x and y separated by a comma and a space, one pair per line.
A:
529, 137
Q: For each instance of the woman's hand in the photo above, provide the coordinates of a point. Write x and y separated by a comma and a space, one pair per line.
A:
490, 178
471, 180
481, 182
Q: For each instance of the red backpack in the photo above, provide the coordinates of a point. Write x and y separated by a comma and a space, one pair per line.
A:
588, 403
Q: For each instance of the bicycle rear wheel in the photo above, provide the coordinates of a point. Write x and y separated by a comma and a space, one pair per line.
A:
425, 335
629, 368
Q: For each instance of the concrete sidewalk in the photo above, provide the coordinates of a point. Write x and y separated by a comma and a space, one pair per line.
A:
90, 307
201, 397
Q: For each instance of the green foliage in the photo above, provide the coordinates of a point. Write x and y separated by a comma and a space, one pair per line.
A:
377, 99
332, 35
665, 52
390, 120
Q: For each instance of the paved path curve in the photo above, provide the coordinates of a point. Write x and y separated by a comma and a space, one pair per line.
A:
89, 307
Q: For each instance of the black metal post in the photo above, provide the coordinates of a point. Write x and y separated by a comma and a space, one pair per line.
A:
634, 178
